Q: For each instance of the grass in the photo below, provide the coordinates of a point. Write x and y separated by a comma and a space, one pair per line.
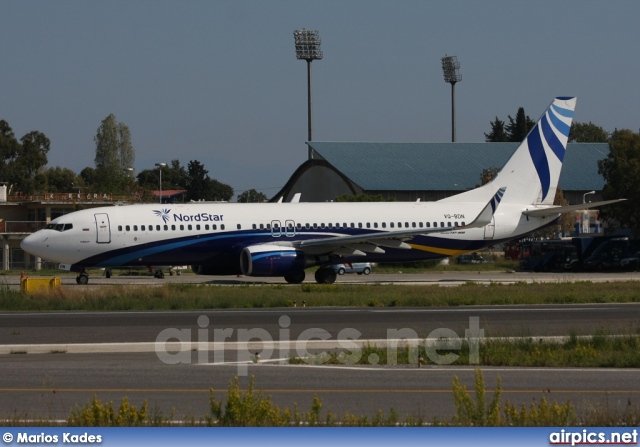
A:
597, 351
201, 296
251, 408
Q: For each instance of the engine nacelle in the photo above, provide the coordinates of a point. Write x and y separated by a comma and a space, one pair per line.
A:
271, 260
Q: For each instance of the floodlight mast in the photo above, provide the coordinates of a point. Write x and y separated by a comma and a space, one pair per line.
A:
308, 48
450, 67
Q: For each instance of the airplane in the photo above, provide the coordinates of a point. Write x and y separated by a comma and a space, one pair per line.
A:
284, 239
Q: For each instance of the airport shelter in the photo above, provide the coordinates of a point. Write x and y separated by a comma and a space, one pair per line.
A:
425, 171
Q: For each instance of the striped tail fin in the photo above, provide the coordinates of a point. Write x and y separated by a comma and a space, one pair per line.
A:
532, 173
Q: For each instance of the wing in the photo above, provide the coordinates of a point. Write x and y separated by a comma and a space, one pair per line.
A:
553, 211
361, 244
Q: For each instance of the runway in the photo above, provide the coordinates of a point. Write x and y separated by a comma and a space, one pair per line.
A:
48, 385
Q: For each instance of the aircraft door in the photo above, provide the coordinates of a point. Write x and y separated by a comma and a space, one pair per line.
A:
276, 229
103, 228
289, 228
490, 229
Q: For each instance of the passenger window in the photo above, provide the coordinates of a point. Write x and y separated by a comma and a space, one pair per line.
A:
173, 228
428, 224
128, 228
189, 227
239, 227
391, 224
420, 224
222, 226
463, 224
119, 227
198, 227
181, 227
368, 225
166, 227
206, 227
359, 224
254, 226
441, 224
406, 224
413, 224
214, 227
448, 224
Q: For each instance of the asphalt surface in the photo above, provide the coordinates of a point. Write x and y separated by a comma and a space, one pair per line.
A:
123, 359
50, 385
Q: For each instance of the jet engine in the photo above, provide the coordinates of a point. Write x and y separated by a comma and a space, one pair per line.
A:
271, 260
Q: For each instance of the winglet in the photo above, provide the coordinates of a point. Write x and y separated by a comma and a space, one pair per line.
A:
486, 215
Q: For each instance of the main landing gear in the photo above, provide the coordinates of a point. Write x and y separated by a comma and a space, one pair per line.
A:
325, 275
295, 278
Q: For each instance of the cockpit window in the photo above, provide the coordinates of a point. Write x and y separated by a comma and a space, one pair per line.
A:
58, 227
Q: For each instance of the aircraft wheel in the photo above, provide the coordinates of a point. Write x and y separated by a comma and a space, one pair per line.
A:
107, 273
295, 278
325, 276
82, 279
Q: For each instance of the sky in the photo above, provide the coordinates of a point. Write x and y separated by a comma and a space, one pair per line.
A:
218, 81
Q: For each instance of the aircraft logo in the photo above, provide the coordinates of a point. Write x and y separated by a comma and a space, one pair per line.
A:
164, 213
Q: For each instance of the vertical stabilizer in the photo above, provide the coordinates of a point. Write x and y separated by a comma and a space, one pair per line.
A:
532, 173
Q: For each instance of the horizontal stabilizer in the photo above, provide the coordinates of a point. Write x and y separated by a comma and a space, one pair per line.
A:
555, 210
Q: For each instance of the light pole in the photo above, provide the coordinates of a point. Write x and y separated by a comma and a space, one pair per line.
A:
584, 196
450, 67
160, 166
308, 48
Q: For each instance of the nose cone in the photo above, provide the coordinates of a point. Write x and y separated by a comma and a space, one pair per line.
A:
34, 244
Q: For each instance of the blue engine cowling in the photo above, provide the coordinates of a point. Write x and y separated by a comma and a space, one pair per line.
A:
270, 260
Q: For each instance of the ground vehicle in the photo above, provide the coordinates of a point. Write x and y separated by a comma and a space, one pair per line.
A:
609, 255
355, 267
631, 263
471, 258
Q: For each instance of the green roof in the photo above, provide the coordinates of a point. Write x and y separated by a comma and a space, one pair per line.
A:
447, 166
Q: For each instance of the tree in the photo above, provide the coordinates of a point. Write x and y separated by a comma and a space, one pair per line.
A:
587, 133
621, 172
518, 129
488, 174
252, 196
114, 153
514, 132
21, 161
174, 176
201, 187
498, 133
62, 180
